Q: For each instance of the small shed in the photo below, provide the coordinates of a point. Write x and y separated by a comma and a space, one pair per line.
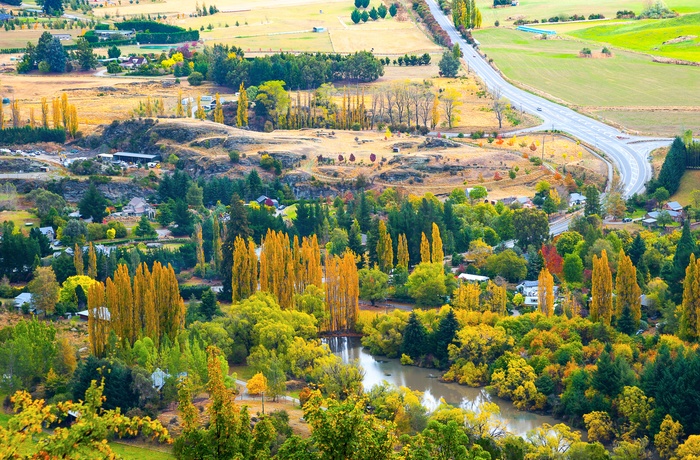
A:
319, 29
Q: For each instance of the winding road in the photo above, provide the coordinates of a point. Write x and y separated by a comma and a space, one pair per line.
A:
628, 153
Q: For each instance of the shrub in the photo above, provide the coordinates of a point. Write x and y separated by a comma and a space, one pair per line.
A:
195, 79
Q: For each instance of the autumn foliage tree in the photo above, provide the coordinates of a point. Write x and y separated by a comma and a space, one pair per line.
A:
438, 254
245, 269
628, 291
545, 292
424, 249
342, 291
601, 290
466, 297
691, 300
385, 249
402, 255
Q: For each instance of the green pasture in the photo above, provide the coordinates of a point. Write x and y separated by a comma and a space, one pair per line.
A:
19, 218
648, 36
553, 66
545, 9
667, 123
129, 452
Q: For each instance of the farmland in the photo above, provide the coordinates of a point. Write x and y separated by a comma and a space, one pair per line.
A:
651, 36
554, 67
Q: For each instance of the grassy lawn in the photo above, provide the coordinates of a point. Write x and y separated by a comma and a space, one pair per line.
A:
648, 36
690, 182
660, 122
19, 218
242, 371
539, 9
129, 452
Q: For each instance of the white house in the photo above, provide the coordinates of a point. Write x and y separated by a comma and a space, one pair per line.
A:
23, 298
102, 313
138, 207
576, 199
469, 278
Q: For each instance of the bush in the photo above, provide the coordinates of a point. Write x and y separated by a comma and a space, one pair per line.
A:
195, 79
28, 135
113, 68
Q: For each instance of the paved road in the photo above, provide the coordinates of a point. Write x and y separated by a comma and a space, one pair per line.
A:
629, 153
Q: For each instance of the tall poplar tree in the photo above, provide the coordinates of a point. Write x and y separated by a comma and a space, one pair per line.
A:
201, 267
402, 255
424, 249
466, 297
237, 226
277, 268
342, 292
245, 270
545, 292
78, 260
98, 322
216, 243
691, 300
385, 249
242, 112
438, 255
601, 289
628, 291
92, 262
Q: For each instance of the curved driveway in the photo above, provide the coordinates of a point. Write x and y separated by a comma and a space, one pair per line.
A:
629, 153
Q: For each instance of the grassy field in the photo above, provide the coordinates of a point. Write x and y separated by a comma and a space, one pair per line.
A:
690, 182
19, 218
660, 122
649, 36
540, 9
129, 452
625, 80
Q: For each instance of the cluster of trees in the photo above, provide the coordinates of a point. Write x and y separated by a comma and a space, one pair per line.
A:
158, 32
465, 14
63, 118
684, 153
439, 35
49, 55
360, 13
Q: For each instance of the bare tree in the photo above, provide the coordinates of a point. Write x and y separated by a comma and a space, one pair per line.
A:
499, 106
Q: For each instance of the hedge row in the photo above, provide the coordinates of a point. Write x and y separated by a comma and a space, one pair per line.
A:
439, 34
151, 26
27, 135
165, 38
186, 292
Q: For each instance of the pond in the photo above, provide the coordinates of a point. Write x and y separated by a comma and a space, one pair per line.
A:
378, 369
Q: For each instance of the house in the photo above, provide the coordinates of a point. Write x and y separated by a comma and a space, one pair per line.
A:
102, 313
62, 37
528, 288
675, 215
134, 62
48, 233
23, 298
74, 215
138, 207
576, 199
469, 278
673, 206
264, 200
525, 202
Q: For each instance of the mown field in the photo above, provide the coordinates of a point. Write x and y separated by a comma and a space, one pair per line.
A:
648, 36
539, 9
624, 80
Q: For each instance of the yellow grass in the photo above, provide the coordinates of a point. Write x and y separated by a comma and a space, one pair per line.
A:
690, 182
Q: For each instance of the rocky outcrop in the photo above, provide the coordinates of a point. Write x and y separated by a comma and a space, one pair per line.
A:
438, 143
16, 165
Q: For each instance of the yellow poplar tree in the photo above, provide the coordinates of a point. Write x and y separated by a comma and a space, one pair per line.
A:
98, 324
32, 118
200, 113
169, 304
307, 258
466, 297
56, 113
242, 112
72, 119
691, 300
179, 109
2, 117
438, 256
601, 289
218, 111
277, 268
216, 244
496, 298
120, 302
92, 262
44, 113
342, 291
424, 249
64, 109
78, 260
402, 256
628, 291
201, 267
545, 292
385, 249
244, 276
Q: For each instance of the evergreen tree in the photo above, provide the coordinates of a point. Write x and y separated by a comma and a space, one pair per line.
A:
209, 306
607, 377
86, 57
626, 323
145, 229
637, 249
444, 335
685, 247
414, 338
592, 201
93, 204
355, 239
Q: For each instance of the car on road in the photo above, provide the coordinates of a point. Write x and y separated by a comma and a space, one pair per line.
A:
627, 219
539, 109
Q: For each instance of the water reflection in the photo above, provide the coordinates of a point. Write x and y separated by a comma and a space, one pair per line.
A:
381, 369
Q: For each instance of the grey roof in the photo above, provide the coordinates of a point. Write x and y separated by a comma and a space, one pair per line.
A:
23, 298
102, 313
674, 205
135, 155
46, 230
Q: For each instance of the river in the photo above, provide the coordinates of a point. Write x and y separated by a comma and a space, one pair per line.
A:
416, 378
